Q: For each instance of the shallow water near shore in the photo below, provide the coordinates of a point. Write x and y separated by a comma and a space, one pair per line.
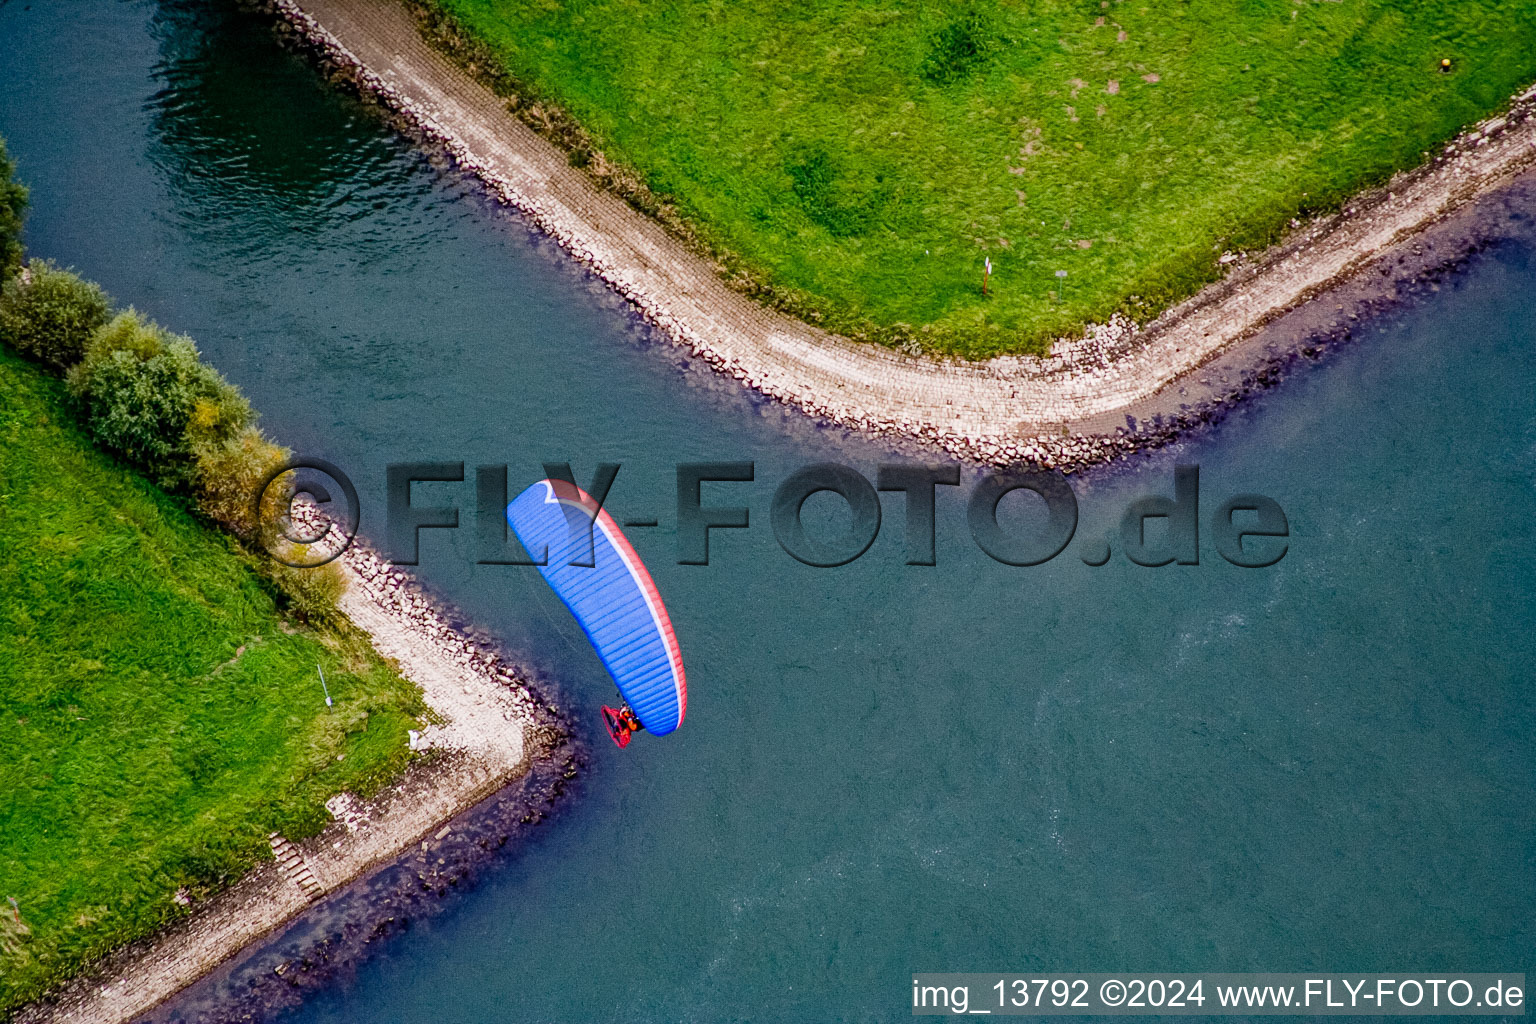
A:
1324, 765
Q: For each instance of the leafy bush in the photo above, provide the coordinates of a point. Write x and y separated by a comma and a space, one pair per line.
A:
310, 594
50, 314
13, 203
228, 474
147, 398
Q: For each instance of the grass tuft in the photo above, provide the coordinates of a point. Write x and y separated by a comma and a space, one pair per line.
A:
956, 50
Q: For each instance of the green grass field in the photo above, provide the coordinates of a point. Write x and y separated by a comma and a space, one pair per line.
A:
157, 716
863, 157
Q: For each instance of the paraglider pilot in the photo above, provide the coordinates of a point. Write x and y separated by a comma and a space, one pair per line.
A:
621, 722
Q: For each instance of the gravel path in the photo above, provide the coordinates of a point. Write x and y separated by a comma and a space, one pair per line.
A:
1001, 410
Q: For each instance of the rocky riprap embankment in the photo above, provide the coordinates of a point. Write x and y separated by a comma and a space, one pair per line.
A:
490, 736
405, 601
1009, 409
478, 696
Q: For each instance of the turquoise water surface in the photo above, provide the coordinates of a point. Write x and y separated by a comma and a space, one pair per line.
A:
1325, 765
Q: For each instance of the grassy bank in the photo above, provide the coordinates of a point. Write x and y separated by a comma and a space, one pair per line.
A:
158, 716
860, 160
160, 707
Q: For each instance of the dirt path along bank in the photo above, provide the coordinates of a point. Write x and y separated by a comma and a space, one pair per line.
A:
1001, 410
490, 727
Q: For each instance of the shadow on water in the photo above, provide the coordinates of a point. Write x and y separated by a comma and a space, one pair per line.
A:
270, 151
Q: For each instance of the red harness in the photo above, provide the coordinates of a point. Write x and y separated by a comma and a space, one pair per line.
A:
621, 723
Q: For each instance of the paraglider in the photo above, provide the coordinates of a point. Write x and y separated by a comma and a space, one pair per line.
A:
590, 566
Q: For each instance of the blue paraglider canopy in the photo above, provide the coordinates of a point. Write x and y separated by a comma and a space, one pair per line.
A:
611, 594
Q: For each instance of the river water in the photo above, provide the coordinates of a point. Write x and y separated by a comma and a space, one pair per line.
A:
1323, 765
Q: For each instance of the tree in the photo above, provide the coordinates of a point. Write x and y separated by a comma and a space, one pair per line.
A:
228, 475
13, 205
146, 397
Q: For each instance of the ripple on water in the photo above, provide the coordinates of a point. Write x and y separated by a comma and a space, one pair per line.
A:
260, 166
886, 767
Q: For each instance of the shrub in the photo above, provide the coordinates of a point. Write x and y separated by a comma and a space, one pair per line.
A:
50, 314
147, 398
310, 594
13, 203
227, 476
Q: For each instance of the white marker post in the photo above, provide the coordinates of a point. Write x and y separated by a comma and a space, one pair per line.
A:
986, 274
323, 688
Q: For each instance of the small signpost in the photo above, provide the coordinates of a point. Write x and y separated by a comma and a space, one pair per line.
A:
15, 909
986, 274
1061, 289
